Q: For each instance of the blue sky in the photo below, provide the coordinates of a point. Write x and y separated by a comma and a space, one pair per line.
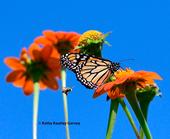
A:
140, 30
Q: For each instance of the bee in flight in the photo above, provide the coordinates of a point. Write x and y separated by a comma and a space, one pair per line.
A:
66, 90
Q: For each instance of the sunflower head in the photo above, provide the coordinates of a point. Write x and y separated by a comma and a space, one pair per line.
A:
91, 42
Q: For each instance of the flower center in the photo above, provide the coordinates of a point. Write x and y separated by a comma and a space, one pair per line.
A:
91, 36
63, 47
121, 73
36, 70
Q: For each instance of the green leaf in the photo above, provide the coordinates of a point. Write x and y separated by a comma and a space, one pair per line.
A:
107, 34
107, 43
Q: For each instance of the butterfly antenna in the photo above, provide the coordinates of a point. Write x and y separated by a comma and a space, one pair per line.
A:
121, 68
124, 60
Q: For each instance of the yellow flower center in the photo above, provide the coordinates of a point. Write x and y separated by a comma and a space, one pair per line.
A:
91, 35
121, 73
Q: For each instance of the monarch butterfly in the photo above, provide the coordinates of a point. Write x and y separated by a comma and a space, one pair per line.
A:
90, 70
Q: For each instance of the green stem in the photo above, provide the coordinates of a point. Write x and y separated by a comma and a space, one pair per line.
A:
125, 108
141, 133
35, 109
112, 117
144, 107
63, 79
134, 104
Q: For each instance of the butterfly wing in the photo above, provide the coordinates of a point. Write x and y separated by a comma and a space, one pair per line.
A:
90, 70
72, 60
94, 72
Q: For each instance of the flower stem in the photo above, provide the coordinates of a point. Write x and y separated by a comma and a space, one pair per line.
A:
35, 109
141, 133
144, 107
112, 117
135, 106
125, 108
63, 79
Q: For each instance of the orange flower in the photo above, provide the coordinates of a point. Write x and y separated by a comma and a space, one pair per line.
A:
63, 42
127, 81
35, 65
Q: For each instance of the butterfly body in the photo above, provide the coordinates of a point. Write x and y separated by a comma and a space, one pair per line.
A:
90, 70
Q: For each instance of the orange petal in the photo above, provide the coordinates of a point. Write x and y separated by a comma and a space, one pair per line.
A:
74, 44
24, 55
109, 86
34, 51
54, 63
46, 52
151, 75
154, 75
99, 91
69, 35
149, 81
20, 82
28, 87
135, 76
55, 53
50, 35
42, 85
75, 38
60, 35
43, 41
50, 82
121, 80
14, 75
55, 73
116, 93
14, 63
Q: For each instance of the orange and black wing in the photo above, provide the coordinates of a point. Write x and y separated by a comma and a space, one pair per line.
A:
91, 71
94, 72
72, 60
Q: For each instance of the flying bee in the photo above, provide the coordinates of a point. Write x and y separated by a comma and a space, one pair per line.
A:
66, 90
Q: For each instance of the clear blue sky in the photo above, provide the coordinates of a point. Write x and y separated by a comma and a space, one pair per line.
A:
140, 30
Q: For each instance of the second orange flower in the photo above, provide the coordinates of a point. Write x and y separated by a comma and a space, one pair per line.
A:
35, 65
127, 81
63, 42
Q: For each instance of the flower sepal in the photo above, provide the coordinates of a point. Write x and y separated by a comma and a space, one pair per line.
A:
132, 99
91, 42
147, 94
107, 43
